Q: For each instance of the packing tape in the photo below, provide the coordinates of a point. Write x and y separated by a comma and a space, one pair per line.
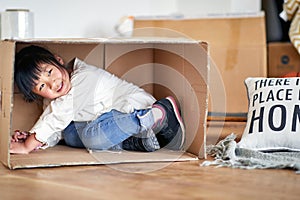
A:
16, 24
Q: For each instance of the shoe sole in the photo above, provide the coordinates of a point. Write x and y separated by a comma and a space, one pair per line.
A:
179, 119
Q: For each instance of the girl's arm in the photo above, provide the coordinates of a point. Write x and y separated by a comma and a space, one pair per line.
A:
25, 147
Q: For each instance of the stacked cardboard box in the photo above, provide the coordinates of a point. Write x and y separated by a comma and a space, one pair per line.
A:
237, 48
283, 58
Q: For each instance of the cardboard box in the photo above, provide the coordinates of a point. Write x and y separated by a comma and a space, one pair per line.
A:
237, 50
283, 58
161, 66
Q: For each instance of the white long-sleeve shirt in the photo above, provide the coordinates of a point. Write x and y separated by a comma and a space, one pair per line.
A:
94, 91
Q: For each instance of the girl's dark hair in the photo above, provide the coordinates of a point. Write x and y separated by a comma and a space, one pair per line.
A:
27, 70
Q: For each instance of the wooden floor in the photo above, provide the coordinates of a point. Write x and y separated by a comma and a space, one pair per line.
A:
153, 181
177, 180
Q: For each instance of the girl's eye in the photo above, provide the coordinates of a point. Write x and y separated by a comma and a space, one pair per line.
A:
49, 72
42, 86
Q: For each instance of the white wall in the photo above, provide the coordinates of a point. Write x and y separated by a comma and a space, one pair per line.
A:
84, 18
97, 18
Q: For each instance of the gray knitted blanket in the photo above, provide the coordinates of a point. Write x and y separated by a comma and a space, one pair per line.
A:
227, 153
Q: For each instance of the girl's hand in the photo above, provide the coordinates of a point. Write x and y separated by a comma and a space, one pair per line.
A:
24, 146
19, 136
18, 148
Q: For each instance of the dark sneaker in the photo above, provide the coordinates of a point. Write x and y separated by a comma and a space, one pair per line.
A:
146, 142
170, 131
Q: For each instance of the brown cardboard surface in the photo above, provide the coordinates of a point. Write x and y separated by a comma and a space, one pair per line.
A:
122, 61
189, 86
174, 66
237, 50
149, 57
19, 119
6, 83
218, 130
61, 155
283, 58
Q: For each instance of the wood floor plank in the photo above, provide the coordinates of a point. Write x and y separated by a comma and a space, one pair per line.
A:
177, 180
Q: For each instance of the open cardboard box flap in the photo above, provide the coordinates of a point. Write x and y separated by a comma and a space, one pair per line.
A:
162, 66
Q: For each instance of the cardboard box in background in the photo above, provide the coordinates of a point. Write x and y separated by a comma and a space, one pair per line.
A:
283, 58
154, 64
237, 50
194, 7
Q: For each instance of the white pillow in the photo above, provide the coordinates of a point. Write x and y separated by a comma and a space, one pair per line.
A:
273, 120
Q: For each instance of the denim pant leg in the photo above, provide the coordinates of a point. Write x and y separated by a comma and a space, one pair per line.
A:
70, 134
111, 129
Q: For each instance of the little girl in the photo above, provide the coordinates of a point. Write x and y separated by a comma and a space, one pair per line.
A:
89, 107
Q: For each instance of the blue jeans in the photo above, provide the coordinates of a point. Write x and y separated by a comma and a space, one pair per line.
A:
108, 131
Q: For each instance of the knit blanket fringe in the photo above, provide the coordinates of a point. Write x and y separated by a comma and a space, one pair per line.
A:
226, 153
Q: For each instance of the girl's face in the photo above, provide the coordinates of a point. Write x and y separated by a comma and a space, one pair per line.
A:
53, 82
